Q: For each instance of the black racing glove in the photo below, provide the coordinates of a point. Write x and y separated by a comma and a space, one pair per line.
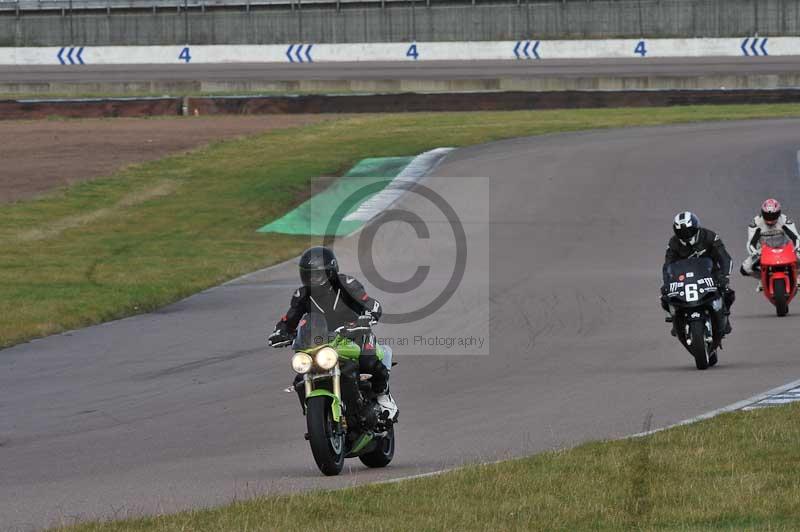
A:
362, 325
279, 338
366, 320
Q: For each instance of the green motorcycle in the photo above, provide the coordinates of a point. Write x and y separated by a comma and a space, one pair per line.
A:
342, 415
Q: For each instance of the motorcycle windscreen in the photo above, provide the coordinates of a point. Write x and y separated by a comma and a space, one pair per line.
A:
312, 331
775, 241
777, 250
697, 266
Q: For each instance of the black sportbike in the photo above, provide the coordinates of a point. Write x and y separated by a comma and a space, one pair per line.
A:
696, 308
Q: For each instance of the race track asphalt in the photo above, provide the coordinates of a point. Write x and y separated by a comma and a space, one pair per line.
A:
184, 407
400, 70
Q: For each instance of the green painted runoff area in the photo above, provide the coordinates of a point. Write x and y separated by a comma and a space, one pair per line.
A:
324, 213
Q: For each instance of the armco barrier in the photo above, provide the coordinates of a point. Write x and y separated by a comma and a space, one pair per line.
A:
480, 101
387, 103
303, 53
90, 108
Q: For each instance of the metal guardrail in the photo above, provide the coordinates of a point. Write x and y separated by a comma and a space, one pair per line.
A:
142, 5
389, 103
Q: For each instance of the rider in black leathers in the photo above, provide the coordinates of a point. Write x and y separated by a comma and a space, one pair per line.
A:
691, 240
343, 301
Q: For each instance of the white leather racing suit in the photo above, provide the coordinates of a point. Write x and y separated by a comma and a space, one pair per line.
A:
759, 229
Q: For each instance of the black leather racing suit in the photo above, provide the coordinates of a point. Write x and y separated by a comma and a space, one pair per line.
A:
708, 244
341, 302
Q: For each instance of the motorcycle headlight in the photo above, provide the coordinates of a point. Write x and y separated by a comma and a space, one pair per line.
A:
327, 357
301, 362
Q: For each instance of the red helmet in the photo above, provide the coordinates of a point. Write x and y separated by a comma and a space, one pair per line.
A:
771, 211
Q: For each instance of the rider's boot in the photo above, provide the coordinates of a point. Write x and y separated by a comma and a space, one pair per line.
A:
388, 406
727, 313
380, 384
728, 328
754, 271
669, 319
757, 275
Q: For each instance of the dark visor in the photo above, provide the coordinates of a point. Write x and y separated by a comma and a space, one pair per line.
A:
313, 277
686, 233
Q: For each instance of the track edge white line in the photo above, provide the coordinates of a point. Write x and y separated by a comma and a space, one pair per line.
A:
739, 405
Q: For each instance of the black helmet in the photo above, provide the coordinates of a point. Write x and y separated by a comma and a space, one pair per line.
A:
318, 265
686, 226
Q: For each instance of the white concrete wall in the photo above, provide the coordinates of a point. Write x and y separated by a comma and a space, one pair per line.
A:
423, 51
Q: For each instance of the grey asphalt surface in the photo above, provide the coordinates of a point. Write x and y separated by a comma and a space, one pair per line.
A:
184, 407
422, 70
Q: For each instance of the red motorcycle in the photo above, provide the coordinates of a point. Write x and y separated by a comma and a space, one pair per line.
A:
779, 271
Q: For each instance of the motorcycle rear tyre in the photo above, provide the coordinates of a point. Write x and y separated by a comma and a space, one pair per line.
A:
383, 452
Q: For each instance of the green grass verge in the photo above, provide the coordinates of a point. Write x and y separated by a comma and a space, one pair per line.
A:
738, 471
157, 232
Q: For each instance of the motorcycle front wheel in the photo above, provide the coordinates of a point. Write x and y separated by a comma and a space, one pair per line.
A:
327, 444
780, 295
698, 347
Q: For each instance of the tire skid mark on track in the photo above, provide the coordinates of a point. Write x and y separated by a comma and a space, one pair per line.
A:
189, 366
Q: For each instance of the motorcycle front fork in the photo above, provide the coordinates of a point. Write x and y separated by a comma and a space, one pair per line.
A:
336, 380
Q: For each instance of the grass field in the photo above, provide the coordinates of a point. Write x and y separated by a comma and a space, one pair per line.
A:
159, 231
736, 472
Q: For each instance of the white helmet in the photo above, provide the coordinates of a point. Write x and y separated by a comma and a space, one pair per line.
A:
686, 227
